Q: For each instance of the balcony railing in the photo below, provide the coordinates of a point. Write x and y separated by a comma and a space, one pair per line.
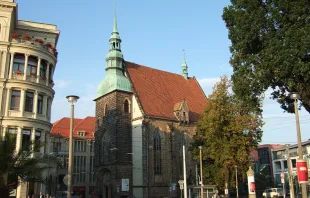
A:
39, 45
18, 75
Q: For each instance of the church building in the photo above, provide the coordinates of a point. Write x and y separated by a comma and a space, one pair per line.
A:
143, 118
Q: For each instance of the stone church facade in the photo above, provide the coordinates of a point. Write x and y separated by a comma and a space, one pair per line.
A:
143, 118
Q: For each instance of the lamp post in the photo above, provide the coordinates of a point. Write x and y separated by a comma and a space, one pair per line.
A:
237, 193
72, 99
295, 97
201, 183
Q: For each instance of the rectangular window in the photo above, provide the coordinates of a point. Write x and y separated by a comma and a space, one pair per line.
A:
29, 101
12, 131
37, 140
15, 100
47, 107
40, 104
50, 72
18, 64
43, 69
91, 146
32, 66
26, 140
56, 146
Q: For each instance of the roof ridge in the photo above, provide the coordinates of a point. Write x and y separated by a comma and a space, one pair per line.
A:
199, 86
157, 69
57, 122
78, 124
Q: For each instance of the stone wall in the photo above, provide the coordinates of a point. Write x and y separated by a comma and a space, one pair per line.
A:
172, 134
113, 143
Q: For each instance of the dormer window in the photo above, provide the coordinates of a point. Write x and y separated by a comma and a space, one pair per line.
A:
181, 111
81, 134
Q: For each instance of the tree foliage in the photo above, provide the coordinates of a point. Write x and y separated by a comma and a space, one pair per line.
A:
270, 49
228, 131
21, 166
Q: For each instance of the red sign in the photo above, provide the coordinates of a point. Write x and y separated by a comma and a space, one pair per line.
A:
302, 171
282, 175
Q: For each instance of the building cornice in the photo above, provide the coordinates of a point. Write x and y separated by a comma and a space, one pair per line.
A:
26, 120
32, 84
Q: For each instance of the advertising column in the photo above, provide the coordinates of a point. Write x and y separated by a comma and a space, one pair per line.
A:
251, 183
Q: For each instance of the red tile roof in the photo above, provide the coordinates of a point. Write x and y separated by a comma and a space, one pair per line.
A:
62, 127
158, 91
271, 146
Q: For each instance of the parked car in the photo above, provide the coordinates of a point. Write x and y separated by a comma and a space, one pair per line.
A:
273, 192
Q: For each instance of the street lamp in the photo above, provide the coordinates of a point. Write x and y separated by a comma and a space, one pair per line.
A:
295, 97
237, 193
201, 183
72, 99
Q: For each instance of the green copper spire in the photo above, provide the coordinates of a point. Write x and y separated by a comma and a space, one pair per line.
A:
115, 78
184, 67
115, 30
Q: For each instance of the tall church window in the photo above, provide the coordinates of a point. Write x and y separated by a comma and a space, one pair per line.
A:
126, 106
105, 111
157, 153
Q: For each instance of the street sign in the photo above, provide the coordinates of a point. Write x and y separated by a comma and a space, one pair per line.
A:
125, 184
65, 180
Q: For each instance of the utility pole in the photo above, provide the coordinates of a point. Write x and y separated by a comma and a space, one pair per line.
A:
295, 97
237, 193
184, 173
201, 183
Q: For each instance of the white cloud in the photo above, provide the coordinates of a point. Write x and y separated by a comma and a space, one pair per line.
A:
207, 84
61, 84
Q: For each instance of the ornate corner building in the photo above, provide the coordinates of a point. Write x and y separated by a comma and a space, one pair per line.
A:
143, 118
28, 60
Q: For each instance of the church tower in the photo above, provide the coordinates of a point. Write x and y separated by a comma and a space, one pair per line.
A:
113, 146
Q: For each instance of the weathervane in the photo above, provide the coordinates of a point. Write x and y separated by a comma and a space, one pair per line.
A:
183, 53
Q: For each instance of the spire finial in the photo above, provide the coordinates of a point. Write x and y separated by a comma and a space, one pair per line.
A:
184, 66
115, 30
184, 55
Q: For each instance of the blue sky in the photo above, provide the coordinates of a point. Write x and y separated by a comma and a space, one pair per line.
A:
153, 34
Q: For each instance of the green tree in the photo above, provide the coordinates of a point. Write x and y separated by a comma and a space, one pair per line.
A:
21, 166
228, 131
270, 49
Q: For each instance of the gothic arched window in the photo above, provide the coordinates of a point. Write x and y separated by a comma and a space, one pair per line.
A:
105, 110
157, 153
126, 106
